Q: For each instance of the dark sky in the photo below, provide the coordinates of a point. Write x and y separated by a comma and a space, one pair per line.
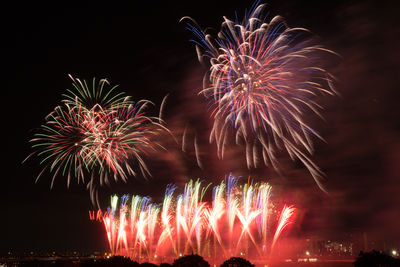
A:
147, 52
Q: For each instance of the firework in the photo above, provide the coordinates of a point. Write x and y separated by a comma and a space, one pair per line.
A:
59, 142
116, 137
262, 80
283, 222
95, 95
186, 224
96, 132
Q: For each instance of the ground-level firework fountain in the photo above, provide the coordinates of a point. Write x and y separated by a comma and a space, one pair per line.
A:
241, 220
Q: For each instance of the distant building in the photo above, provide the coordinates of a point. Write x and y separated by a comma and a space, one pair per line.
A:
315, 246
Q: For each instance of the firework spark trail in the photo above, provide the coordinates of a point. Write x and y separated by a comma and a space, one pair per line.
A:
107, 226
123, 223
262, 198
284, 220
231, 205
263, 79
246, 215
166, 218
215, 213
178, 223
95, 98
109, 222
58, 143
153, 212
193, 211
187, 224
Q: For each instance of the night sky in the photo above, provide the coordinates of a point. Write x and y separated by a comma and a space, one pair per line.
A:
146, 51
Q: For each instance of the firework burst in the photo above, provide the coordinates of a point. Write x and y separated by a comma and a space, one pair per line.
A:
186, 223
98, 133
59, 142
262, 80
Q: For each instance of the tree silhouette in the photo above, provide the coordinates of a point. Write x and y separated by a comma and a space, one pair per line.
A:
375, 259
164, 264
237, 262
193, 260
148, 264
